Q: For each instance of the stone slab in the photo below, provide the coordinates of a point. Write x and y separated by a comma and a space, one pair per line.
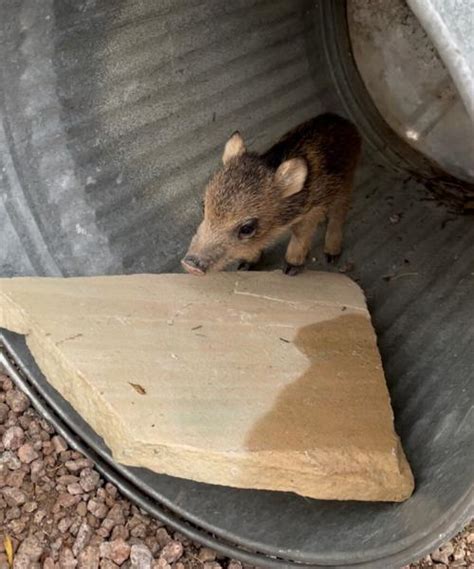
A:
251, 380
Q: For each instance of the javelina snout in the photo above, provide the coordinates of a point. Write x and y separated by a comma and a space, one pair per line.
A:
253, 199
199, 265
205, 253
194, 265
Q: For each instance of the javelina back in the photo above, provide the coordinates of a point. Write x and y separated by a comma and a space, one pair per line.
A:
253, 199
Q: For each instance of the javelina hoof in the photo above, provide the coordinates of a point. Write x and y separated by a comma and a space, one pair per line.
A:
246, 266
331, 259
292, 270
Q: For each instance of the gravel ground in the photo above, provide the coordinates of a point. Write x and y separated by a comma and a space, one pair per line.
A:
57, 513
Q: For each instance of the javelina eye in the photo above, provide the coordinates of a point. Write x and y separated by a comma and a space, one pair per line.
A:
248, 229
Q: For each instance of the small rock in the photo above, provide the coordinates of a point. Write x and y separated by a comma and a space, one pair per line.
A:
13, 496
161, 564
34, 427
10, 459
17, 526
39, 517
66, 559
120, 532
395, 218
89, 558
82, 539
96, 540
46, 426
24, 563
114, 517
172, 551
7, 382
212, 565
111, 490
29, 552
56, 545
81, 509
206, 554
107, 564
103, 533
140, 557
64, 501
15, 478
233, 564
47, 448
13, 438
75, 489
78, 464
59, 444
457, 563
138, 531
13, 513
32, 548
76, 525
48, 563
3, 412
4, 472
67, 479
64, 524
25, 420
17, 401
101, 494
136, 520
30, 507
152, 544
109, 501
92, 521
89, 479
163, 537
117, 551
442, 554
459, 552
36, 468
97, 509
182, 538
27, 454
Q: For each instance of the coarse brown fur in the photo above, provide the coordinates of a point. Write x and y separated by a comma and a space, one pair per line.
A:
305, 178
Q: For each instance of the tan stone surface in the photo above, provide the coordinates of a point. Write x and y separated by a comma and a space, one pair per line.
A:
251, 380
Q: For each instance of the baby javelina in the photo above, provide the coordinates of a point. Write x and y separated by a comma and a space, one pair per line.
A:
253, 199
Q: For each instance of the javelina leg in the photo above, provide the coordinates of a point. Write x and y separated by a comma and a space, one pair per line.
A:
337, 214
300, 243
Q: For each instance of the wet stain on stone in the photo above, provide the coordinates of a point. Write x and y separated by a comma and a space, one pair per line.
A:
340, 399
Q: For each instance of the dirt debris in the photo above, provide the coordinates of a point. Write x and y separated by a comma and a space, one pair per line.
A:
56, 512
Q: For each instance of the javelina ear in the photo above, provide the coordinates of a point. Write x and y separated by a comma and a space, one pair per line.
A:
291, 176
234, 147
